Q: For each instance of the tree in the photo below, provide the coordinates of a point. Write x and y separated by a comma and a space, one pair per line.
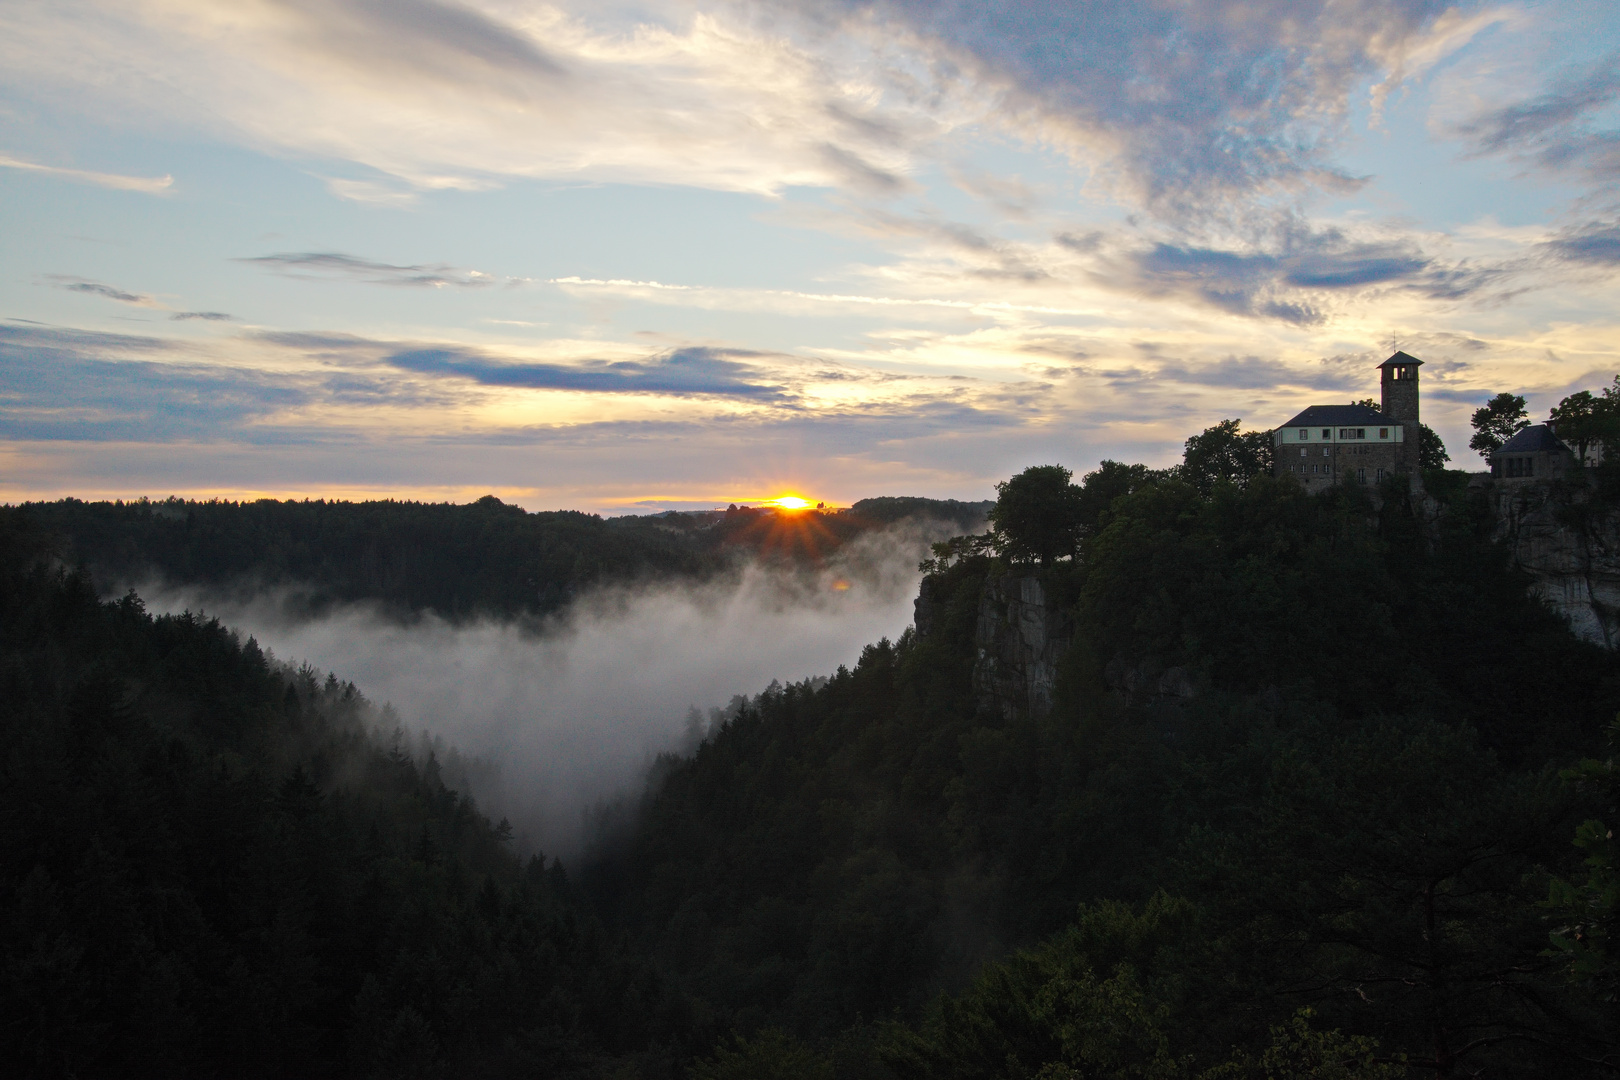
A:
1502, 417
1100, 488
1037, 515
1431, 448
1586, 420
1590, 908
1222, 453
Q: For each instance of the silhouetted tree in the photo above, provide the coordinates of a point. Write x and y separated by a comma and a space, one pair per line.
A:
1037, 515
1224, 454
1498, 421
1431, 448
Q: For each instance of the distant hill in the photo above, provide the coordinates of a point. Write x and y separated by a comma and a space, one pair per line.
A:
480, 558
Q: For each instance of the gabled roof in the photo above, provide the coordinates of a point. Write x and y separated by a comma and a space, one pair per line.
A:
1533, 439
1333, 415
1400, 359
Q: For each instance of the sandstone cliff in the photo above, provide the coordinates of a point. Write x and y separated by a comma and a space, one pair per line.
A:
1018, 641
1569, 546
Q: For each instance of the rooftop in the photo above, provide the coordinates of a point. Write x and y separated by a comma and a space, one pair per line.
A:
1332, 415
1533, 439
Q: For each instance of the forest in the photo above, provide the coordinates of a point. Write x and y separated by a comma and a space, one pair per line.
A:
485, 558
1370, 843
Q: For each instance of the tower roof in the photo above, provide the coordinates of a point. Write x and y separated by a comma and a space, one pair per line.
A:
1400, 359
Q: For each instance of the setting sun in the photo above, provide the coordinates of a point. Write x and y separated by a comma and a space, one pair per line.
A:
790, 502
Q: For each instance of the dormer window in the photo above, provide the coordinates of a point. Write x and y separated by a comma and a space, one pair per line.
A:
1327, 433
1383, 433
1304, 433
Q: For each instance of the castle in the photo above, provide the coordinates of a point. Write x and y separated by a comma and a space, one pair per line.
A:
1331, 444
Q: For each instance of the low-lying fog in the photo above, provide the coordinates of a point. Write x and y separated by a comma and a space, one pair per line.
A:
571, 716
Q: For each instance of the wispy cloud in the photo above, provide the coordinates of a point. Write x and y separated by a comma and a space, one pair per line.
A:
691, 371
1595, 243
312, 265
1559, 130
708, 296
150, 185
99, 288
205, 316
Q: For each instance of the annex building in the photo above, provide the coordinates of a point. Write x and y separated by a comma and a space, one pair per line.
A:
1333, 444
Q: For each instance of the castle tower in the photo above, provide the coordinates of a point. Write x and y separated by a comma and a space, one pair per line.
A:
1399, 384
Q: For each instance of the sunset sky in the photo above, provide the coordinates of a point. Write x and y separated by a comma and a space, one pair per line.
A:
644, 256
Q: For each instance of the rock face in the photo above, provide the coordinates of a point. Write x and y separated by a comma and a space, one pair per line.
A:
1570, 549
1019, 640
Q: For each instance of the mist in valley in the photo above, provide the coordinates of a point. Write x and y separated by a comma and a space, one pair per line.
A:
563, 716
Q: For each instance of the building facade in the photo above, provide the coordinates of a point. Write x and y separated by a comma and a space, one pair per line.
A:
1335, 444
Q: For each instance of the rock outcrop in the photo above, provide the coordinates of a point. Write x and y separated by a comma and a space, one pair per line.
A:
1019, 639
1569, 547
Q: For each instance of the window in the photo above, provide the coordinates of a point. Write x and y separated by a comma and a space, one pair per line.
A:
1324, 451
1529, 466
1327, 433
1361, 475
1383, 433
1302, 451
1380, 476
1304, 433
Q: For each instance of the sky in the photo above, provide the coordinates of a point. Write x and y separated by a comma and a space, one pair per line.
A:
634, 257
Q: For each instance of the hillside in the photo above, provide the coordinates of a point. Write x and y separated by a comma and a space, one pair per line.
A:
215, 865
1339, 842
481, 558
1355, 808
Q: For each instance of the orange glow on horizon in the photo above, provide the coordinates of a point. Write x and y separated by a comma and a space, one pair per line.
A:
790, 502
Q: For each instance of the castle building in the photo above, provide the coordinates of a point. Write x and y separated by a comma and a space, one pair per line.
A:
1534, 453
1337, 444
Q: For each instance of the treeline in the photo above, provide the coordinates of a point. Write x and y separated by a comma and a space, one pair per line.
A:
215, 865
483, 558
1297, 811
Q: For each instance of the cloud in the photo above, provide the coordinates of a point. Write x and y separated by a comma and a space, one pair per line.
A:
1304, 275
1188, 109
1198, 104
84, 386
207, 316
1595, 243
97, 288
455, 96
1555, 130
1248, 373
691, 371
150, 185
317, 265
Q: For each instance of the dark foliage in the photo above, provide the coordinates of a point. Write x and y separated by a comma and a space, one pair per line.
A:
1351, 783
1037, 515
483, 558
1496, 422
210, 865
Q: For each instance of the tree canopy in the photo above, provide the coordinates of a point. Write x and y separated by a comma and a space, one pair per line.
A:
1496, 422
1037, 515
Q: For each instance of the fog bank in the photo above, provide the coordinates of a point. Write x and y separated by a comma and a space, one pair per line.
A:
571, 715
